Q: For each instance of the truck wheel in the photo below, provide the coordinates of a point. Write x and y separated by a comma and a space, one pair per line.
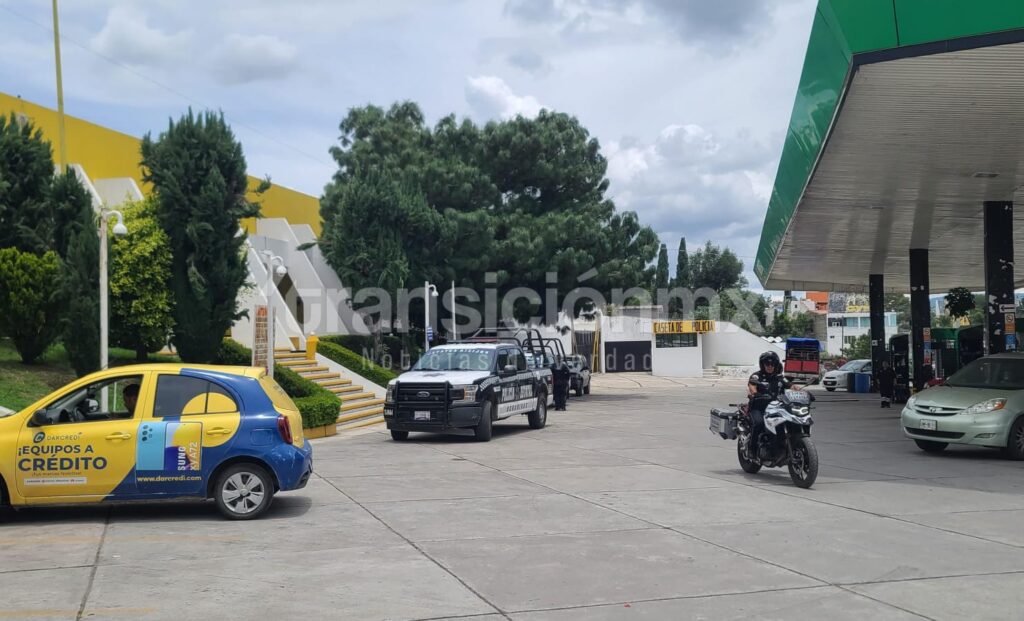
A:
586, 389
539, 417
830, 389
243, 491
483, 430
399, 436
579, 390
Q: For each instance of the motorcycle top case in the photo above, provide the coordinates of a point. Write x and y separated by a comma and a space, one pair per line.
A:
724, 423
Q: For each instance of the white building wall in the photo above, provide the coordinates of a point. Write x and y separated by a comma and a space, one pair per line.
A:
838, 335
732, 345
677, 361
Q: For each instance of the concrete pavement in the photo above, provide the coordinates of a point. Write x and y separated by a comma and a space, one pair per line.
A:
624, 507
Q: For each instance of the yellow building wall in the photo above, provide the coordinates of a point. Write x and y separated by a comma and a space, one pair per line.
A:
105, 153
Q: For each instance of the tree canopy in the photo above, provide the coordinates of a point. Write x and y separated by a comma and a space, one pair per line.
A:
199, 180
522, 197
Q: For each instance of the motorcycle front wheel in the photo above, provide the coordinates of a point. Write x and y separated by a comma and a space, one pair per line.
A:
803, 462
750, 467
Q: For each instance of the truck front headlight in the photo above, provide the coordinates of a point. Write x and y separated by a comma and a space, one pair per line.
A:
464, 393
390, 396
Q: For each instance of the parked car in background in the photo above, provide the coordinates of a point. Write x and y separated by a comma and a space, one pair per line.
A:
840, 378
157, 432
579, 379
982, 404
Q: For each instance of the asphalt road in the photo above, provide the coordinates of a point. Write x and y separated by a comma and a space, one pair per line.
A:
624, 507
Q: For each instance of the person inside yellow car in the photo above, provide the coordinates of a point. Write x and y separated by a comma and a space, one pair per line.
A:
130, 395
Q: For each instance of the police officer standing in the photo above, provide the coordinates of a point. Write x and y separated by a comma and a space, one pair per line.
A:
561, 377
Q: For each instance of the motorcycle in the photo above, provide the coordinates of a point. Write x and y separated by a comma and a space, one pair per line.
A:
785, 440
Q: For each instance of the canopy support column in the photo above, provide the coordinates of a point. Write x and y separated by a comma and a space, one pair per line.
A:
1000, 306
876, 300
920, 316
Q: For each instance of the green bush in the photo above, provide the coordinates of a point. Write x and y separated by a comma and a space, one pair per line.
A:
319, 409
354, 342
317, 405
232, 352
29, 301
356, 363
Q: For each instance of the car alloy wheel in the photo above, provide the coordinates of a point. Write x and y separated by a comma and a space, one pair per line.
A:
243, 492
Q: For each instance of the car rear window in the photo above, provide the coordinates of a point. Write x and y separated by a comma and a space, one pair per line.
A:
277, 395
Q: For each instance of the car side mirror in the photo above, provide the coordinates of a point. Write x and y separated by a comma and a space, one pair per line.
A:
509, 369
39, 419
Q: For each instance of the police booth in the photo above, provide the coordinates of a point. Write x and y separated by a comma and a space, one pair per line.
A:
677, 347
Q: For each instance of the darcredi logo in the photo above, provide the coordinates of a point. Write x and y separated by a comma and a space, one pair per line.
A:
59, 458
69, 437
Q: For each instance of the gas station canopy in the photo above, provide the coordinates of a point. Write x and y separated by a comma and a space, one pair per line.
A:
909, 116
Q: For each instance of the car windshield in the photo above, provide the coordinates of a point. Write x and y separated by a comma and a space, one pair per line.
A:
456, 360
853, 365
995, 373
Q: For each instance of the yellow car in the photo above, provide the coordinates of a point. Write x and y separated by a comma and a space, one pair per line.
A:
157, 431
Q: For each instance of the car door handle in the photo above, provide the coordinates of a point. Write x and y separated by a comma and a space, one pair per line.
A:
218, 431
120, 435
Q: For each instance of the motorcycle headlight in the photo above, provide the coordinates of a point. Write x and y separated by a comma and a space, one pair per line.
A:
464, 393
390, 396
986, 406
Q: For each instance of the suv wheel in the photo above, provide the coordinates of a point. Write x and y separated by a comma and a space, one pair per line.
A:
539, 417
1015, 443
930, 446
483, 430
586, 389
243, 491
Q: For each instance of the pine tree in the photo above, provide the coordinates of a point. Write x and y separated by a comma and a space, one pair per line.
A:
682, 278
198, 173
26, 171
80, 294
661, 273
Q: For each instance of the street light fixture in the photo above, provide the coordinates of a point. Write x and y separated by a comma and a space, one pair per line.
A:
429, 291
120, 230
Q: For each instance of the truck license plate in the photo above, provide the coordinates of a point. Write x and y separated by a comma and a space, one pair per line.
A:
927, 425
421, 415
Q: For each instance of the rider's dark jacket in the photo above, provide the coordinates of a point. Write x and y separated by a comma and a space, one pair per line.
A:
777, 384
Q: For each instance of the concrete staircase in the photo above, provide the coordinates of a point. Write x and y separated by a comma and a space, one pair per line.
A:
712, 373
359, 407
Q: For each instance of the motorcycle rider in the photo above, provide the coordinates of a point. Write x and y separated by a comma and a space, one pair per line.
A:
764, 386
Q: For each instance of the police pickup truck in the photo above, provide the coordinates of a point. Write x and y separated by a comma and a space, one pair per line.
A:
465, 386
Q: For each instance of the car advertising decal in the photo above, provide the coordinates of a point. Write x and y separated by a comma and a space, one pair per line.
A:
64, 462
170, 447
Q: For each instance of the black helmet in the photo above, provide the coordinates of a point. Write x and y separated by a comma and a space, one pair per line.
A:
772, 357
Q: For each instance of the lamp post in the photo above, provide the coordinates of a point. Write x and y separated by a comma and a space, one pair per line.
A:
429, 291
120, 230
269, 261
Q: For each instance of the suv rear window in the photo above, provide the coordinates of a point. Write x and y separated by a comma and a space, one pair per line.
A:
277, 395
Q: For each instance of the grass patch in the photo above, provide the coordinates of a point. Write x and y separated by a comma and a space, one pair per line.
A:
23, 384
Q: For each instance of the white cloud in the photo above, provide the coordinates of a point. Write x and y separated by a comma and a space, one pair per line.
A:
491, 97
690, 182
127, 37
241, 59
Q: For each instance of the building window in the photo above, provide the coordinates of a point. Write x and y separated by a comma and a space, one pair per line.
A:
675, 340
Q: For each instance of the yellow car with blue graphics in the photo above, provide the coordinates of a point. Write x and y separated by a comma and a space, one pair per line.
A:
157, 431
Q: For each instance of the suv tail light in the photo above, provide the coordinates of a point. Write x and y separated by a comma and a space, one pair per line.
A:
284, 429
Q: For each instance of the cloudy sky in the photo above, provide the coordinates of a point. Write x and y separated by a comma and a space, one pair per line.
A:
689, 98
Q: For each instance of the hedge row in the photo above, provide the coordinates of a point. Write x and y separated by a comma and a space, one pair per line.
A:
317, 405
356, 363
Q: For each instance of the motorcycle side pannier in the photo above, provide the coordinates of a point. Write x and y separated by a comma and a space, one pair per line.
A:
724, 423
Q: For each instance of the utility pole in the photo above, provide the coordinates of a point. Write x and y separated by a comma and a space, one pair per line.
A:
62, 141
